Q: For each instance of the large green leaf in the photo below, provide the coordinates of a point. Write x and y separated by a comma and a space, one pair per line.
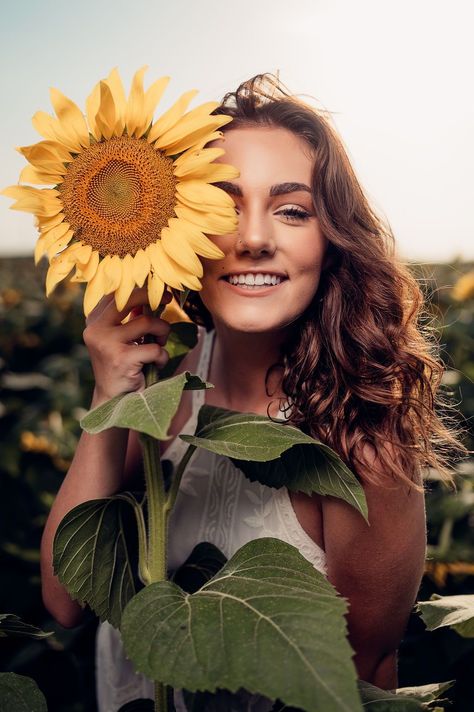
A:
20, 694
12, 625
454, 611
96, 556
268, 622
404, 699
277, 454
150, 411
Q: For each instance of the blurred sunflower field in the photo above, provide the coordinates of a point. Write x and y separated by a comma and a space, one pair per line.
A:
45, 388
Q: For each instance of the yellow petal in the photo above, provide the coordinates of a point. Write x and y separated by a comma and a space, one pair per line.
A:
127, 283
113, 272
170, 117
49, 151
83, 254
195, 160
88, 271
50, 128
60, 243
115, 83
141, 267
214, 136
176, 246
106, 116
58, 270
92, 107
214, 173
70, 116
48, 238
32, 175
199, 134
44, 224
162, 265
199, 243
135, 111
20, 192
211, 223
205, 195
95, 290
155, 290
153, 96
173, 313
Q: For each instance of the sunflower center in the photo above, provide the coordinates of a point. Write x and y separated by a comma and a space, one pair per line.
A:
118, 194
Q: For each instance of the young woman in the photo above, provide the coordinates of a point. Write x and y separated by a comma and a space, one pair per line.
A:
310, 315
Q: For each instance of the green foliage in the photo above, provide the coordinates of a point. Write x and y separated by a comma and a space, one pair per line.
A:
150, 411
96, 554
20, 694
267, 622
406, 699
276, 454
11, 625
454, 611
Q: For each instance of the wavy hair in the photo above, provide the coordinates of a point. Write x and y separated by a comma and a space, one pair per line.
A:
361, 367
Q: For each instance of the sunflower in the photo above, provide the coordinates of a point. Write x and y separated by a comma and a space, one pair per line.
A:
129, 200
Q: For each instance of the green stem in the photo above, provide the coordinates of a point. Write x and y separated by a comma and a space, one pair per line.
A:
155, 566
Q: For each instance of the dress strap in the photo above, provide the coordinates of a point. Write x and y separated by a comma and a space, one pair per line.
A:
202, 370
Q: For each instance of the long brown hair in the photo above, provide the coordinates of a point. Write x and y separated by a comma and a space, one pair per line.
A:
361, 367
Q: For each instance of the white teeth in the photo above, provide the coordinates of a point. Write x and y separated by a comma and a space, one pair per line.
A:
251, 280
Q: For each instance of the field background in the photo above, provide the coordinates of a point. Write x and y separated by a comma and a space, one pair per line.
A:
46, 384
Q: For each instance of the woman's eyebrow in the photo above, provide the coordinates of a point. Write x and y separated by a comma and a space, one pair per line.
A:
278, 189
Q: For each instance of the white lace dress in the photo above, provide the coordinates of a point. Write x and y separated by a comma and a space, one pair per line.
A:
216, 503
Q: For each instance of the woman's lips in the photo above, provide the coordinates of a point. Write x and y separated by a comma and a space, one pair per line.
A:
253, 290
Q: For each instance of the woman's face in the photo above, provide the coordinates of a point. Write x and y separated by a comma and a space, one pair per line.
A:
272, 264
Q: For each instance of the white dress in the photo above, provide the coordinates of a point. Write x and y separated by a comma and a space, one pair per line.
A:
218, 504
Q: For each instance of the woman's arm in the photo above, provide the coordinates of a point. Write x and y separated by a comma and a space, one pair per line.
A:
101, 466
378, 568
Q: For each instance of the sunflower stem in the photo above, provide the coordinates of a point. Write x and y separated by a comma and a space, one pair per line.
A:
155, 565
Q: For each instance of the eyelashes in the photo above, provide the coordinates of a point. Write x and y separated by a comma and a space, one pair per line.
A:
294, 214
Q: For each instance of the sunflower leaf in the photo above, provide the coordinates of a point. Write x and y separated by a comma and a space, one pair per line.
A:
182, 338
20, 693
276, 454
150, 411
268, 622
457, 612
95, 554
12, 625
403, 699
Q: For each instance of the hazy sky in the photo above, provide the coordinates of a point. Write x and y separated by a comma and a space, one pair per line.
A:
395, 74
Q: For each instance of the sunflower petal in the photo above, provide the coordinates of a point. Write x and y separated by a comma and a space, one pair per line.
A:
211, 223
214, 173
202, 143
196, 191
95, 290
58, 270
115, 83
134, 113
199, 243
50, 128
194, 119
194, 160
59, 244
193, 137
106, 115
20, 192
92, 107
29, 174
88, 270
48, 238
153, 96
113, 272
156, 288
70, 116
49, 151
141, 267
170, 117
175, 244
163, 266
44, 224
127, 283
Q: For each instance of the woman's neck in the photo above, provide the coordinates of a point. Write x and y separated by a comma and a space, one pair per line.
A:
238, 368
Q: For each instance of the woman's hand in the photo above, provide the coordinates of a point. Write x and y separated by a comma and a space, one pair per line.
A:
115, 350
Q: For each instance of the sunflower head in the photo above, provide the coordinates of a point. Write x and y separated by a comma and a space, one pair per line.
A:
124, 199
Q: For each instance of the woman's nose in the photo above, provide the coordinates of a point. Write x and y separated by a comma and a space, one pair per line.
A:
254, 237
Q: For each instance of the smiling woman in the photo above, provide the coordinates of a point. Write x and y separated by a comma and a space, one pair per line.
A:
308, 316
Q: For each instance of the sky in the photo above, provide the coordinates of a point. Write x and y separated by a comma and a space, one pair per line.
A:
395, 75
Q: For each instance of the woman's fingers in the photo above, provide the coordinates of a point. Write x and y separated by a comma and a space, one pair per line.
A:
142, 325
107, 311
150, 353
